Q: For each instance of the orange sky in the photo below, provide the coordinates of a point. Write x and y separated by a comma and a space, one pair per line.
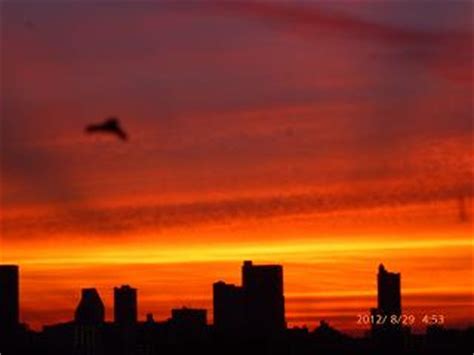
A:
326, 138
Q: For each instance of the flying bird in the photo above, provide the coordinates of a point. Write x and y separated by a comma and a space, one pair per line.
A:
110, 125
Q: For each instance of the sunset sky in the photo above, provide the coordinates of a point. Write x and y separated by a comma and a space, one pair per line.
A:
325, 137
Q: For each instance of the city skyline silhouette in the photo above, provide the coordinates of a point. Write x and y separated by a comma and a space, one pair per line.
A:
248, 316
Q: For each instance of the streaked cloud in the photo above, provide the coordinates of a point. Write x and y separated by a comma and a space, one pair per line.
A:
328, 137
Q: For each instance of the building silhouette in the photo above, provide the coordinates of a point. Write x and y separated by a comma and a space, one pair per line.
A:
263, 296
9, 298
90, 310
258, 306
189, 316
125, 305
187, 323
388, 292
228, 307
387, 331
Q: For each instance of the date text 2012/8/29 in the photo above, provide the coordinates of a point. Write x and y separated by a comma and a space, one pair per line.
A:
403, 319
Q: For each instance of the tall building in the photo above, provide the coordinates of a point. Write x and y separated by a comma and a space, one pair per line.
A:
263, 297
256, 307
388, 292
9, 297
90, 310
388, 335
228, 307
125, 305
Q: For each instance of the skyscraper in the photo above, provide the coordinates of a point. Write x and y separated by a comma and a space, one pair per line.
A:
125, 305
387, 334
256, 307
9, 297
90, 309
264, 299
388, 292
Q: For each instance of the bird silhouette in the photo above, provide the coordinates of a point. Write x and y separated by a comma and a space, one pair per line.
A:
110, 125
